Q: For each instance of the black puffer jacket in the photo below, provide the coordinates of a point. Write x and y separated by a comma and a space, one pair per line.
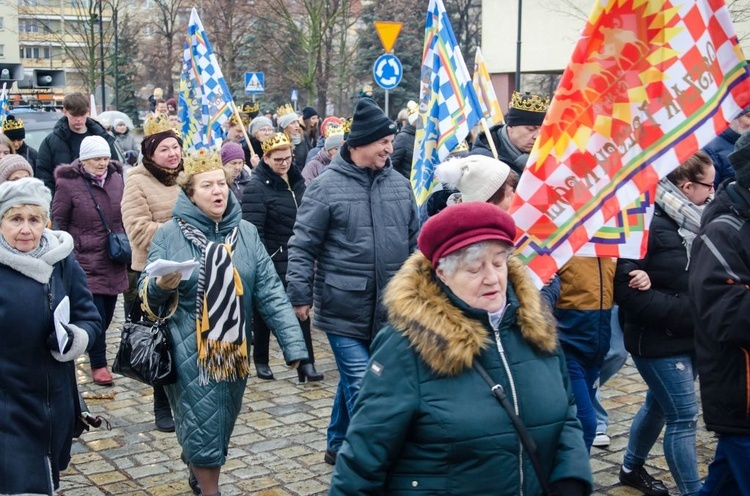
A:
482, 147
403, 150
29, 154
270, 204
719, 279
658, 322
56, 149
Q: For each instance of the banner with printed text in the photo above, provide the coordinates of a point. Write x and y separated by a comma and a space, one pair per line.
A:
649, 83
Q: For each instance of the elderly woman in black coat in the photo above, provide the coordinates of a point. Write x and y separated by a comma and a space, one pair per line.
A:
270, 202
37, 378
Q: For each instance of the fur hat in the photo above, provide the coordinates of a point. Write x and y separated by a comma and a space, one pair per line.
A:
477, 177
740, 160
231, 151
26, 191
308, 112
369, 124
13, 128
13, 163
94, 147
458, 226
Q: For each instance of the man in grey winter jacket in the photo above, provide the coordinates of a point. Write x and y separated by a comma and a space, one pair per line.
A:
356, 226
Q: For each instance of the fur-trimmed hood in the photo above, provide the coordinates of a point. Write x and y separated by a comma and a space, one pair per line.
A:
445, 337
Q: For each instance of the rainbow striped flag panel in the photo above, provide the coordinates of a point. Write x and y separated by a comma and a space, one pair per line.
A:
448, 105
650, 82
482, 83
205, 102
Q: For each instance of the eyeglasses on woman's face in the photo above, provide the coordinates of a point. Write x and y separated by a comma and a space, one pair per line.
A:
282, 160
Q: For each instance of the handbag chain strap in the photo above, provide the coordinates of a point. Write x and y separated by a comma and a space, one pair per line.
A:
99, 210
143, 297
523, 433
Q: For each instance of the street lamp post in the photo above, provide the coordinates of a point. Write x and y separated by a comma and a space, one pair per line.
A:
116, 62
101, 50
518, 49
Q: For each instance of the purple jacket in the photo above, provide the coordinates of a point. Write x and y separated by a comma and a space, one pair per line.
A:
73, 210
315, 166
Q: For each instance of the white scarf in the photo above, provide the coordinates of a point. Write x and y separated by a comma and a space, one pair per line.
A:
39, 268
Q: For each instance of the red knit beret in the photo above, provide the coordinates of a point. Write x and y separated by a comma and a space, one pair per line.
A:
464, 224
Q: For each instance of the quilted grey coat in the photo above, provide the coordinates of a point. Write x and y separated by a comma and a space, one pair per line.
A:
205, 415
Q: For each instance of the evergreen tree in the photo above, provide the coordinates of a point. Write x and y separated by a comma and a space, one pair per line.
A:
127, 53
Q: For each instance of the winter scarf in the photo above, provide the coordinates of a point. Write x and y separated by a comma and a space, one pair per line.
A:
680, 209
519, 158
38, 264
219, 310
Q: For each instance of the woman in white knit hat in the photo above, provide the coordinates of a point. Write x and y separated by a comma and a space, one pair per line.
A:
479, 178
88, 193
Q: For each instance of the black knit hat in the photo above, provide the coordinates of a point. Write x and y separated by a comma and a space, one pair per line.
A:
308, 112
740, 160
13, 128
369, 124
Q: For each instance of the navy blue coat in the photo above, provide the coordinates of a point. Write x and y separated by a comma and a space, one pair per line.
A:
718, 149
37, 393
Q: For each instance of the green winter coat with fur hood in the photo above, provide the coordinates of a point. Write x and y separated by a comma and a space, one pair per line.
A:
426, 423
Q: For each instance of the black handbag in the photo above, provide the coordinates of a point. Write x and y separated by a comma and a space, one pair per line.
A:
145, 353
118, 244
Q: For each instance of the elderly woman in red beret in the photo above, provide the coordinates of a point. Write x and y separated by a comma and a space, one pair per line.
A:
426, 418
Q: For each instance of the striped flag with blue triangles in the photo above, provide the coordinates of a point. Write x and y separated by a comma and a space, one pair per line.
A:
205, 102
4, 105
448, 104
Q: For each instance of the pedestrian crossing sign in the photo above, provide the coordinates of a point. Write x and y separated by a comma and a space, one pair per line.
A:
254, 83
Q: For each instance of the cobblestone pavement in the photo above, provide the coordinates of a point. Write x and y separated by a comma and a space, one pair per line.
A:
278, 442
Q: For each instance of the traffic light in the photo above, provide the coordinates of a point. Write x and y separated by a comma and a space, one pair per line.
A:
9, 73
47, 78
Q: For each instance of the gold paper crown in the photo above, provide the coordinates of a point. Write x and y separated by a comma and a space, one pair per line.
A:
348, 125
233, 120
12, 123
156, 123
333, 130
251, 107
202, 160
412, 107
284, 110
462, 147
529, 102
279, 140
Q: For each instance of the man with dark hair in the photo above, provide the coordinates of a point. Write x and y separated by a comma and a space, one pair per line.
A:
356, 226
515, 139
62, 145
14, 129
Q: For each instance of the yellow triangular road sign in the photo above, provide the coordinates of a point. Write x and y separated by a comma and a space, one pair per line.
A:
388, 32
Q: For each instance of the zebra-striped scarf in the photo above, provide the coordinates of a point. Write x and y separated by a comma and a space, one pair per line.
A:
219, 310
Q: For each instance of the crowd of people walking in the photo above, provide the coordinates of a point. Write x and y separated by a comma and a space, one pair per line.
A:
456, 375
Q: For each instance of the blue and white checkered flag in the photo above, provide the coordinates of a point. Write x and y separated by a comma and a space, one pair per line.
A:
4, 105
205, 102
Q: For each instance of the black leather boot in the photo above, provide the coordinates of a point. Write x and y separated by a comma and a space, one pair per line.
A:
162, 411
307, 371
264, 371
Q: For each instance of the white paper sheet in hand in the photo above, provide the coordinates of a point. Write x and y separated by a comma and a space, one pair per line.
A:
61, 317
162, 267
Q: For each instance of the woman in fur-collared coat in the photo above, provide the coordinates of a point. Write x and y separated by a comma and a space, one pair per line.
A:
425, 421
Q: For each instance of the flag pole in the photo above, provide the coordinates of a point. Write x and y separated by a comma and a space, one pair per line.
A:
242, 125
487, 133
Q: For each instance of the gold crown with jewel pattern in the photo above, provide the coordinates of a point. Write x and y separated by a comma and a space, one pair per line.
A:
12, 123
279, 140
462, 147
245, 120
251, 107
333, 130
347, 125
284, 110
528, 102
156, 123
202, 160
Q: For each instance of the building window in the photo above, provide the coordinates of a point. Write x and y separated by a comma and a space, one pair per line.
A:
31, 52
2, 51
28, 26
2, 24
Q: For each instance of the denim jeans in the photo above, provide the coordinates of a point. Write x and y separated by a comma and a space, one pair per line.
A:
613, 362
352, 356
670, 399
105, 304
728, 474
583, 381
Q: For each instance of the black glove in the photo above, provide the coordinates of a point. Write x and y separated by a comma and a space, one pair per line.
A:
54, 346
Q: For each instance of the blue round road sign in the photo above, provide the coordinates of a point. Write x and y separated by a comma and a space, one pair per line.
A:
387, 71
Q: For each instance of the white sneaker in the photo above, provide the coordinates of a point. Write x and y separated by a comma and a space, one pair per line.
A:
601, 440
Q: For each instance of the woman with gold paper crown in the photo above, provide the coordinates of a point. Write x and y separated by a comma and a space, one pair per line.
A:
211, 326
